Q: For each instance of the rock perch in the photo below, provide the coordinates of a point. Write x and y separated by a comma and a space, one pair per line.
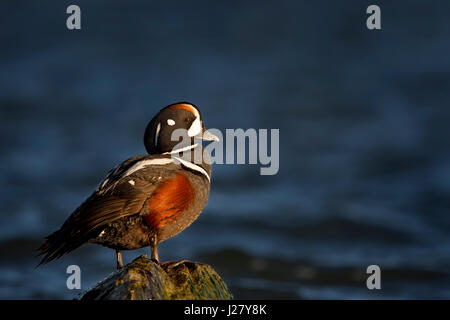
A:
144, 279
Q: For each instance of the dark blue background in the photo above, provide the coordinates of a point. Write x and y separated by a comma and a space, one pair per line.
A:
364, 124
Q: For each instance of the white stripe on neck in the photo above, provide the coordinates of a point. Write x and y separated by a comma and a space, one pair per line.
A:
193, 166
182, 149
162, 161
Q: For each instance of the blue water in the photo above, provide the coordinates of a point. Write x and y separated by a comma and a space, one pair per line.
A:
364, 152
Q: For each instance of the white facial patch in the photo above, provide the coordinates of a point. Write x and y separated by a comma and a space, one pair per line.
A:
131, 182
158, 127
196, 127
170, 122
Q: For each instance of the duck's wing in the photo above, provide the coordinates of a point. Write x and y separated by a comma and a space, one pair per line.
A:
122, 193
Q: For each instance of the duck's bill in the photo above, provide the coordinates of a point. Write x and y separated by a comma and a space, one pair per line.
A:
208, 136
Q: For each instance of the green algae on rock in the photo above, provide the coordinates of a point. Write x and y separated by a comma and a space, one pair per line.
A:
143, 279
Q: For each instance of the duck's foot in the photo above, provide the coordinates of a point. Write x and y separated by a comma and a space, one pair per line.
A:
154, 249
119, 259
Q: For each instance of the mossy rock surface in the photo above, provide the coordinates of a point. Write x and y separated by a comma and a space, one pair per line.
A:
144, 279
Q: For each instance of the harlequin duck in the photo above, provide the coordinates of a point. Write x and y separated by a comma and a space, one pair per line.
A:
147, 199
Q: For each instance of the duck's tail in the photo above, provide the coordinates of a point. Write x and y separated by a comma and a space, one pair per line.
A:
55, 246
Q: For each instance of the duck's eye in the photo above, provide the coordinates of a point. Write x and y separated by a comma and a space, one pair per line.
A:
186, 120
